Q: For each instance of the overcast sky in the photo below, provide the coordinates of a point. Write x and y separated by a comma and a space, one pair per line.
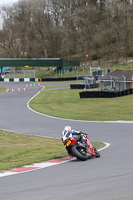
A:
6, 2
3, 2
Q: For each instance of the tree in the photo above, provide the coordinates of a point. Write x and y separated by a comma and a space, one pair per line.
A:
68, 29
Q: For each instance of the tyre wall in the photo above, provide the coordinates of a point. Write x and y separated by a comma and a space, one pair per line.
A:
82, 86
103, 94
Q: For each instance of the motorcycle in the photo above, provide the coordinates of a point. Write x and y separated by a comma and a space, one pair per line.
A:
80, 147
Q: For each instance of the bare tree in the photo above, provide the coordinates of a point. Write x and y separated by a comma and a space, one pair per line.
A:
68, 29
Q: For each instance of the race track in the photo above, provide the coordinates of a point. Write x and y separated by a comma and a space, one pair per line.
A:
109, 177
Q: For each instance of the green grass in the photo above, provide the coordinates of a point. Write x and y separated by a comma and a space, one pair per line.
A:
67, 104
2, 90
17, 150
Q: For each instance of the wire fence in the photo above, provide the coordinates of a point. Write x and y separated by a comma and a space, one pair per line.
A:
20, 74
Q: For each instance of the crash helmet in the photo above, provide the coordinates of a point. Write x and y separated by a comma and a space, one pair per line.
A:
67, 128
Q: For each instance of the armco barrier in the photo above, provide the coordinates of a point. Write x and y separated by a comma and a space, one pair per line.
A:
43, 79
104, 94
37, 79
77, 86
19, 79
65, 78
60, 79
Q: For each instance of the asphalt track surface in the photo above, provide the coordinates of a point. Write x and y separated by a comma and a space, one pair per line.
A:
106, 178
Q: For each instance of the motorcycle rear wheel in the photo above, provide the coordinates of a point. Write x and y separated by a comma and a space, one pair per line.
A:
78, 154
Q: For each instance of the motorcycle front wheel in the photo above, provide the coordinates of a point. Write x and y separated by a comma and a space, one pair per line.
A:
97, 154
77, 153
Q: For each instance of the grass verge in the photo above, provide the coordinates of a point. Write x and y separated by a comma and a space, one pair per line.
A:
56, 86
67, 104
2, 89
17, 150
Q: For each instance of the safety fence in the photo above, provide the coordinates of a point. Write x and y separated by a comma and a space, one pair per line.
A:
105, 94
20, 79
38, 79
19, 74
60, 79
74, 78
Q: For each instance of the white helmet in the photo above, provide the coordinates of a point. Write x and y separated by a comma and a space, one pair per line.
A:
67, 128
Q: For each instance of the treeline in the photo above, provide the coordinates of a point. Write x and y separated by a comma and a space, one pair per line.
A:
68, 29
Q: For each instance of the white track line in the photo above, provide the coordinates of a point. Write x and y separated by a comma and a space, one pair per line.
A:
106, 146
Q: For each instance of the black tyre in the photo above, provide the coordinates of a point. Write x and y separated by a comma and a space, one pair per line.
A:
97, 154
76, 152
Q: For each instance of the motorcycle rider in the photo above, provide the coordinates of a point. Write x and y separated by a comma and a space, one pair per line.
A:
69, 132
78, 136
